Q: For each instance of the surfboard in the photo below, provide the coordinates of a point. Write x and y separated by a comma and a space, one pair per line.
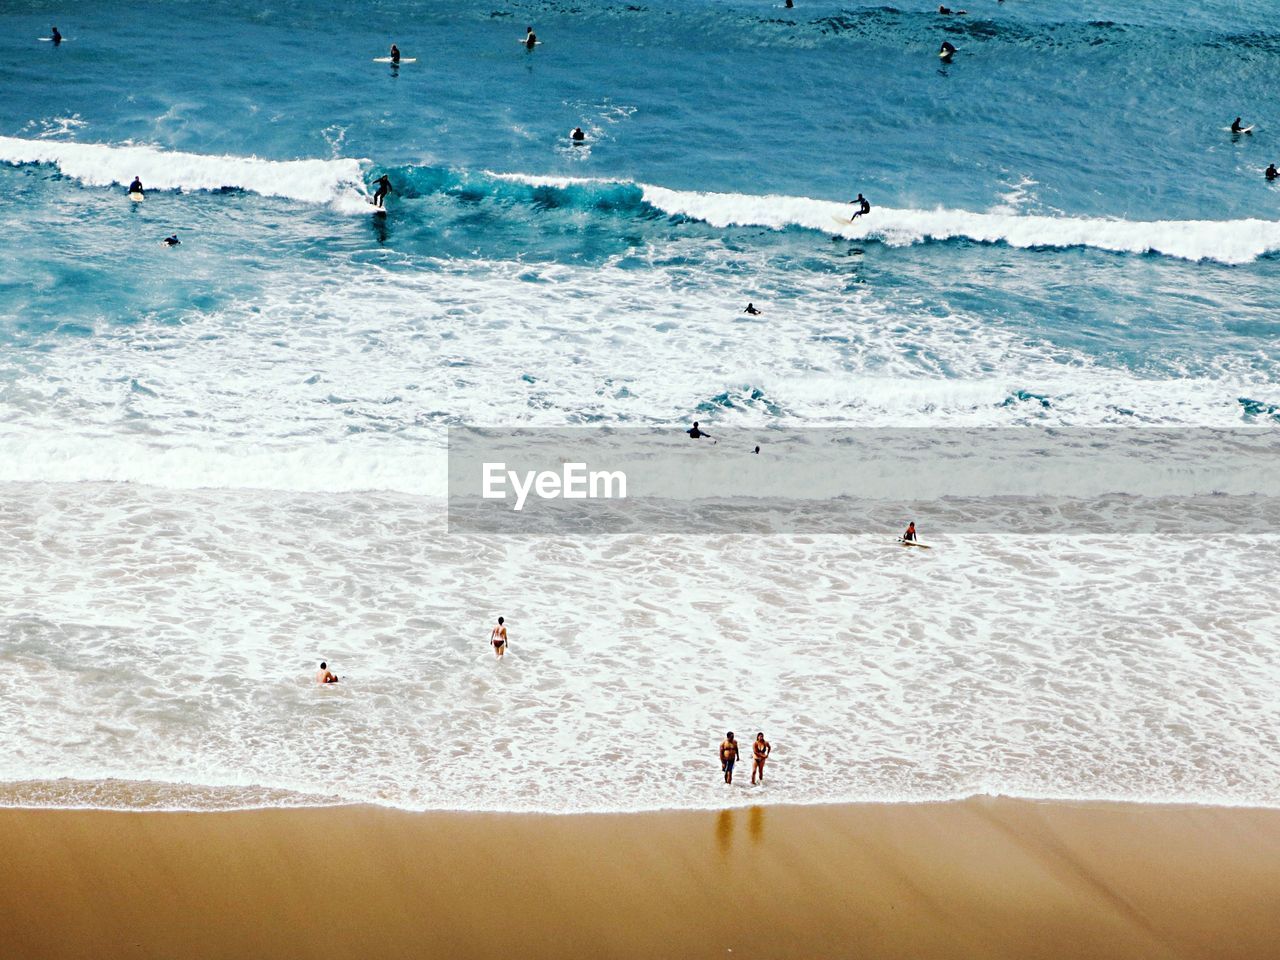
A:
389, 60
50, 39
843, 221
943, 55
524, 43
137, 197
914, 543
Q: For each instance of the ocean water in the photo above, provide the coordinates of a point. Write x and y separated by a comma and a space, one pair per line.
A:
223, 462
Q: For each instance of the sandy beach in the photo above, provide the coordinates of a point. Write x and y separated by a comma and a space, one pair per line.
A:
983, 878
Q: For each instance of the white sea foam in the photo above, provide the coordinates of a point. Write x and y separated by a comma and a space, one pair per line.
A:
95, 164
171, 636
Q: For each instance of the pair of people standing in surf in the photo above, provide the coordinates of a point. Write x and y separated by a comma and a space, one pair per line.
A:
760, 751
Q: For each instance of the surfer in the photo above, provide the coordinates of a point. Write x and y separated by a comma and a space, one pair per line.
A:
760, 751
530, 38
395, 54
1237, 126
697, 434
947, 11
864, 207
753, 310
910, 535
325, 675
577, 136
1272, 172
55, 36
728, 756
171, 241
136, 187
946, 51
498, 637
789, 4
384, 187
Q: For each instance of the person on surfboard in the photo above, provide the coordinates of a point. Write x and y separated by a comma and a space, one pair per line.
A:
1272, 172
172, 241
753, 310
864, 207
946, 51
910, 535
136, 186
55, 36
384, 187
395, 54
530, 38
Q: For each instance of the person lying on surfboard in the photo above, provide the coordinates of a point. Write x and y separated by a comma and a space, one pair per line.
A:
384, 187
910, 535
863, 207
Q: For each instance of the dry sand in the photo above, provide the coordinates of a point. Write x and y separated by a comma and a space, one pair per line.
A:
983, 878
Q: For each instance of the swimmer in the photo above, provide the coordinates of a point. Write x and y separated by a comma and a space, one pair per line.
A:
753, 310
1272, 172
530, 38
171, 241
577, 136
498, 637
55, 36
947, 11
728, 756
760, 751
325, 675
910, 535
696, 433
946, 51
864, 207
384, 187
395, 54
136, 186
789, 4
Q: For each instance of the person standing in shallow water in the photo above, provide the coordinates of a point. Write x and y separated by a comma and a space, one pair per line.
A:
498, 637
728, 756
760, 751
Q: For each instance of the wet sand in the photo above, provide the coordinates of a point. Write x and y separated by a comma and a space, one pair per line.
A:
982, 878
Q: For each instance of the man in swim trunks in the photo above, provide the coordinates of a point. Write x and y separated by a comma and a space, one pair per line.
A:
696, 433
864, 207
325, 675
910, 535
728, 756
760, 751
530, 38
384, 187
498, 637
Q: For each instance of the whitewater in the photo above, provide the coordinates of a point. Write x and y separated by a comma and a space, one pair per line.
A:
225, 461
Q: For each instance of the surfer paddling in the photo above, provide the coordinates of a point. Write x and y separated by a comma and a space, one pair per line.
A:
760, 751
864, 207
728, 756
498, 637
325, 675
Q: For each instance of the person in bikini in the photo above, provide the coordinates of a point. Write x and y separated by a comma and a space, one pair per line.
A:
728, 756
760, 752
498, 637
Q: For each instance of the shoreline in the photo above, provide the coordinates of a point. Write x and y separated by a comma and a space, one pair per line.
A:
982, 878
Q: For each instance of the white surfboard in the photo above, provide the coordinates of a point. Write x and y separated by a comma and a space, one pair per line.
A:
1248, 129
914, 543
843, 221
943, 55
524, 43
389, 60
50, 39
137, 197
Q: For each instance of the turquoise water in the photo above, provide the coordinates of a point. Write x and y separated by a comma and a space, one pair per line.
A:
1063, 232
